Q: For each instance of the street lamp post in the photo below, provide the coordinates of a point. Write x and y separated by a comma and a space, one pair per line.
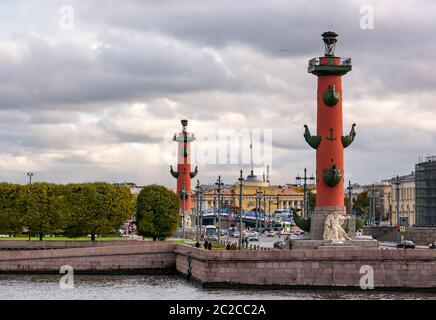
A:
373, 204
201, 209
258, 204
214, 209
305, 178
390, 208
264, 210
349, 197
371, 198
219, 184
241, 179
397, 190
197, 191
256, 209
30, 174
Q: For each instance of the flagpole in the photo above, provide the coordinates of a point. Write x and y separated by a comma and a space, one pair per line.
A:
251, 153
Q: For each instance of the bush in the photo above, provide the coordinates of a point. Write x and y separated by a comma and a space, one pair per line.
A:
359, 223
303, 224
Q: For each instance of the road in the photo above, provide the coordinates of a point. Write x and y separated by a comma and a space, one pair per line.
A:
268, 242
264, 241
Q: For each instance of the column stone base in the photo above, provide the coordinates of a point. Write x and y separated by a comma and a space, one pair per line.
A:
318, 219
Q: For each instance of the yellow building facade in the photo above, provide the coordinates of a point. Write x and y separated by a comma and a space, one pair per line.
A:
271, 197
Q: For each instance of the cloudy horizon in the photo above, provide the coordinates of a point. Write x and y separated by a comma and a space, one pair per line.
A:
94, 102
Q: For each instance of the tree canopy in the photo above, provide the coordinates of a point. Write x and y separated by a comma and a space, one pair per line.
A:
361, 205
73, 209
96, 208
10, 215
42, 208
157, 212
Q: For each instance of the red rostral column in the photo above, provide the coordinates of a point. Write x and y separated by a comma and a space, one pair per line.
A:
329, 142
183, 173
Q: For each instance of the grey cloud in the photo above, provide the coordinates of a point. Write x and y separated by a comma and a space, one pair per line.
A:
59, 98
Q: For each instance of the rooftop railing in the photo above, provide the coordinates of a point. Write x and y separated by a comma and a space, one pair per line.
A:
342, 62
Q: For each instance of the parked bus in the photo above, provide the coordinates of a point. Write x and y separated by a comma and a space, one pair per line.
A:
211, 232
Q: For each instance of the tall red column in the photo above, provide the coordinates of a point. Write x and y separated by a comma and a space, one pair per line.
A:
183, 173
329, 141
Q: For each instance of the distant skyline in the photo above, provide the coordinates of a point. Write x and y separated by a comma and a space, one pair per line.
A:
92, 101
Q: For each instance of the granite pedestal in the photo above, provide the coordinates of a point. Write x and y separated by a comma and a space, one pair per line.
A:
314, 240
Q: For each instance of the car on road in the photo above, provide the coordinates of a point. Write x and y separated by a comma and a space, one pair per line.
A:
251, 233
270, 234
235, 234
232, 230
250, 239
432, 245
406, 244
212, 238
280, 244
224, 232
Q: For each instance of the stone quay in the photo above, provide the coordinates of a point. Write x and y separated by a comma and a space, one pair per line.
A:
337, 268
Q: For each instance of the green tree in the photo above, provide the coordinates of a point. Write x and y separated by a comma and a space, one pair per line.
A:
42, 206
361, 205
157, 212
359, 223
11, 218
96, 208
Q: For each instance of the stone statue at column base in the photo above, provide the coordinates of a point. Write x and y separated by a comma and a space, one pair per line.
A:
333, 228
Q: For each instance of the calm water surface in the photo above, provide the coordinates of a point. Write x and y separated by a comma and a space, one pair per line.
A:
47, 287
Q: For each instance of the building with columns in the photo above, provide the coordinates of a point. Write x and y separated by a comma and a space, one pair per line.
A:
407, 201
273, 197
382, 198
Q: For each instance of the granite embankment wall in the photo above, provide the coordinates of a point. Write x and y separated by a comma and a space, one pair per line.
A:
419, 235
120, 257
220, 268
309, 267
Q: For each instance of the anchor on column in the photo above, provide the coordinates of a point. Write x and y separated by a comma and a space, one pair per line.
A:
331, 137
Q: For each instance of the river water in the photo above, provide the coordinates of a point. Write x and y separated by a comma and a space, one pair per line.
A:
87, 287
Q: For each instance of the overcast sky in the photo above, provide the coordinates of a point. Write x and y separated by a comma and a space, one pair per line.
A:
94, 102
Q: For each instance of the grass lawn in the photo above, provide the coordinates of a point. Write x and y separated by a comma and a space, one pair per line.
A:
61, 238
190, 243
